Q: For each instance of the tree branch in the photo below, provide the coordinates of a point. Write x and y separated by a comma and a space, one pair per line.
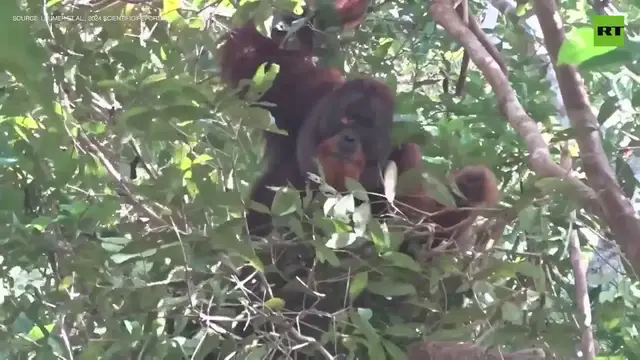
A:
579, 266
618, 210
539, 155
525, 126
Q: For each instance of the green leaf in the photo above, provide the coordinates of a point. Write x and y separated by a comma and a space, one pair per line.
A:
611, 61
275, 304
114, 244
464, 315
286, 201
154, 78
75, 208
41, 223
170, 10
402, 260
359, 192
358, 284
360, 319
607, 109
361, 217
405, 183
183, 112
440, 192
383, 47
403, 330
375, 351
37, 334
341, 240
262, 81
578, 47
258, 352
390, 288
325, 254
342, 208
511, 312
393, 350
22, 323
529, 217
118, 85
529, 269
65, 283
138, 117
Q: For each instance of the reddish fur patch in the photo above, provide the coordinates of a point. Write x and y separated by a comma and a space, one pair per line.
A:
336, 170
243, 52
351, 12
477, 183
411, 158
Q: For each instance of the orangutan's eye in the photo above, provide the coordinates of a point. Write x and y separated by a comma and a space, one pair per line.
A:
359, 116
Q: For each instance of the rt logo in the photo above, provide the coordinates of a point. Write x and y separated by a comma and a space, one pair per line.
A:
608, 30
